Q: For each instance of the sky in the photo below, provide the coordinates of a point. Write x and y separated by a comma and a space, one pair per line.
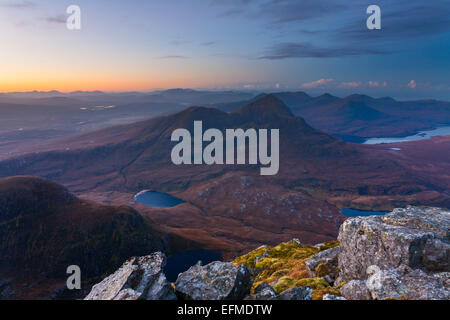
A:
262, 45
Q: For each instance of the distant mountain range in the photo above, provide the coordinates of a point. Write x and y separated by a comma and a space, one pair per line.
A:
359, 116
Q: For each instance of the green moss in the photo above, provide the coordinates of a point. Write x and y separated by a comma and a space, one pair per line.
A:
285, 265
281, 273
283, 284
250, 258
315, 283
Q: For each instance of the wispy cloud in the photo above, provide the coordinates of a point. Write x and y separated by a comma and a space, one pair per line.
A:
376, 84
341, 25
321, 83
180, 42
17, 4
285, 11
401, 20
174, 57
58, 19
307, 50
349, 85
208, 43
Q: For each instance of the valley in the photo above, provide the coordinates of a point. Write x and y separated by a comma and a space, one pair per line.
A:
231, 208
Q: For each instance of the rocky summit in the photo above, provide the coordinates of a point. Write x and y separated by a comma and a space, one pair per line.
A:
415, 237
402, 255
138, 278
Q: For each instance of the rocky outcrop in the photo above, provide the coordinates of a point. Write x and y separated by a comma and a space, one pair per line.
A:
299, 293
402, 255
324, 264
215, 281
138, 278
356, 290
400, 283
263, 291
414, 237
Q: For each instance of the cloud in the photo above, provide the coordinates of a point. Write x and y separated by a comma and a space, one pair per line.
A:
174, 57
341, 25
60, 19
285, 11
352, 84
18, 4
208, 43
400, 21
306, 50
318, 83
376, 84
412, 84
180, 42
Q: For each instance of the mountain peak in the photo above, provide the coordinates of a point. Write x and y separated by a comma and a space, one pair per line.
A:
265, 107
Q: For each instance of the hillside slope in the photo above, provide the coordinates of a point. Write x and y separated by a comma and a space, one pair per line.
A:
44, 229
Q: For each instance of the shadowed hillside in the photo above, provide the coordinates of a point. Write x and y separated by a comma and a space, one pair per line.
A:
44, 229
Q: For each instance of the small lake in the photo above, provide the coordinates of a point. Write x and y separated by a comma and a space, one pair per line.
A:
422, 135
361, 213
181, 262
157, 199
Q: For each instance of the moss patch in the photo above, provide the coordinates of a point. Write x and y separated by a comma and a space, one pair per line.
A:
284, 267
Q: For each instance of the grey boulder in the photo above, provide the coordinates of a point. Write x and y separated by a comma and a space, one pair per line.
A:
215, 281
263, 291
356, 290
415, 237
328, 258
400, 283
139, 278
299, 293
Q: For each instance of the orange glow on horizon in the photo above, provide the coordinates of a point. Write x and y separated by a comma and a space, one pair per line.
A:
105, 84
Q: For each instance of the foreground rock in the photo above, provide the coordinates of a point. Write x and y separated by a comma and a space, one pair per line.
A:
263, 291
414, 237
138, 278
324, 264
215, 281
400, 283
299, 293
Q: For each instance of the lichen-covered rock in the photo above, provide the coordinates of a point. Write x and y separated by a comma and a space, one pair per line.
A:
302, 293
139, 278
356, 290
215, 281
324, 263
262, 292
406, 283
415, 237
